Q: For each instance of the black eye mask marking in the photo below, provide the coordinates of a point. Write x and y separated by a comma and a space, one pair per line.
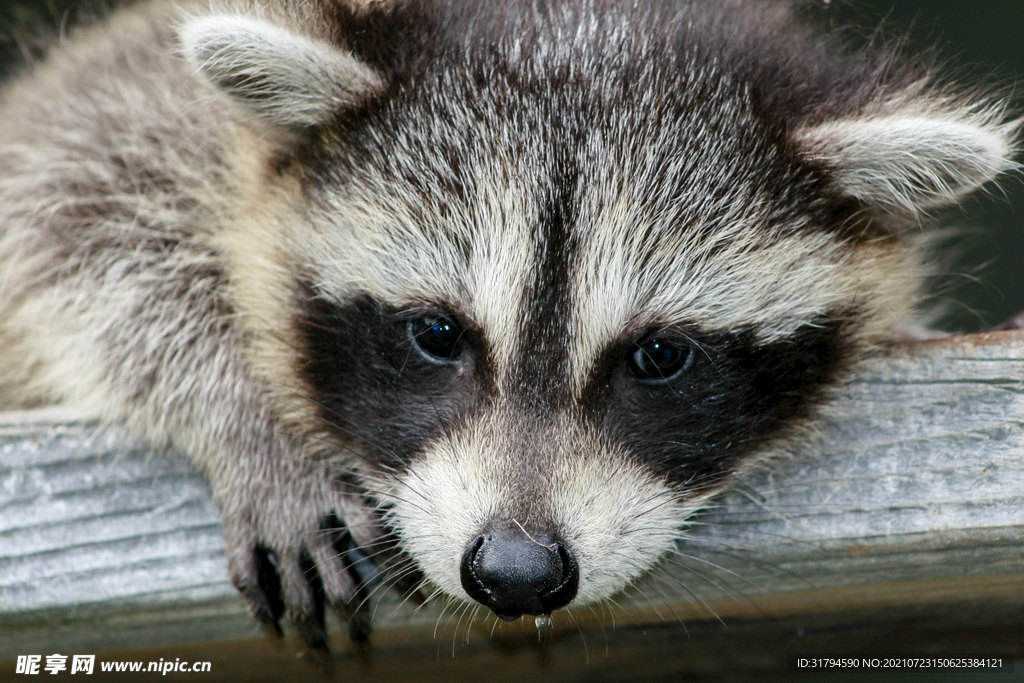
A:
687, 403
394, 381
691, 406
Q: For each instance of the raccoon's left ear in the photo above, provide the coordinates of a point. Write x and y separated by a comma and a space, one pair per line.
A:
284, 78
907, 163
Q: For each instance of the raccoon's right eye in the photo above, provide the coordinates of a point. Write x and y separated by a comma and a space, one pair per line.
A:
439, 339
658, 360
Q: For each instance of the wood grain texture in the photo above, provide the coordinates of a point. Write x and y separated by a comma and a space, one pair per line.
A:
902, 530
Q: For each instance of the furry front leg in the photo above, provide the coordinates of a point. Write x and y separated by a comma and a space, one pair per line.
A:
144, 336
290, 522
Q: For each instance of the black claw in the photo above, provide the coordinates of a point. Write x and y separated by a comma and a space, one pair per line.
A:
316, 636
270, 606
362, 569
359, 630
362, 572
411, 580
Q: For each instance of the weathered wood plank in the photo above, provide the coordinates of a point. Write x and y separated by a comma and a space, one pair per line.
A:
910, 511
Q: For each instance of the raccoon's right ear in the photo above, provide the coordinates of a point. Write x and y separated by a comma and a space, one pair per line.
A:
284, 78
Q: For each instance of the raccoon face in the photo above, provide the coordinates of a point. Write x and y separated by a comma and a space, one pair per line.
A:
543, 315
548, 376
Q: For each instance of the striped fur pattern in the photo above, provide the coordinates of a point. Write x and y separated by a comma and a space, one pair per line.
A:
394, 274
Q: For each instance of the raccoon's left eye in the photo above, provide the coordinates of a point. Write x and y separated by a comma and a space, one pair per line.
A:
440, 339
657, 359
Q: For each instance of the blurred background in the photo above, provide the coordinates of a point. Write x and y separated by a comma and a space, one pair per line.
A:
983, 283
982, 264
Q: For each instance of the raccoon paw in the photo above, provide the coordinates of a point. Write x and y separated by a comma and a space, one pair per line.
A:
285, 563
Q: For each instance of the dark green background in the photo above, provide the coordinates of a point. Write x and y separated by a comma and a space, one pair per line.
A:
985, 281
984, 266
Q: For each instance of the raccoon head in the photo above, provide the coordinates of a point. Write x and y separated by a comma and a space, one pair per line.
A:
546, 279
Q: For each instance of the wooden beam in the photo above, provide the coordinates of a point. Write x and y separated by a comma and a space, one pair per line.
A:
902, 530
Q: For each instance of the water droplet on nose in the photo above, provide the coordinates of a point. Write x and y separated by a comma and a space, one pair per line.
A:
543, 622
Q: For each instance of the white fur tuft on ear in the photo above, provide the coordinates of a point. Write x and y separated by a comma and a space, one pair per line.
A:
287, 79
909, 163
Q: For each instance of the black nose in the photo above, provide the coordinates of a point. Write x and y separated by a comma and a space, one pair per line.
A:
516, 574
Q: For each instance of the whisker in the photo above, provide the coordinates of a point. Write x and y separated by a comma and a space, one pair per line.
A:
583, 636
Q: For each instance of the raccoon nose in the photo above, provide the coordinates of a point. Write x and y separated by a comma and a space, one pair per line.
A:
514, 574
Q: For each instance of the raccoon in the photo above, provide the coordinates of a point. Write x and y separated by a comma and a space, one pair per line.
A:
493, 293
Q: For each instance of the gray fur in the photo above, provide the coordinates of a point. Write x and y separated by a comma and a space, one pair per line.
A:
188, 211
